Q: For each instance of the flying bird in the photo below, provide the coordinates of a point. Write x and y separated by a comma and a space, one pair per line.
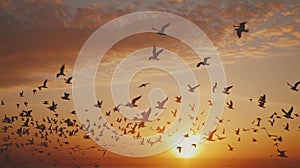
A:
230, 104
288, 114
178, 99
162, 30
294, 87
133, 102
230, 148
68, 80
143, 85
179, 149
192, 89
226, 90
66, 96
61, 71
210, 135
262, 101
281, 153
155, 54
99, 104
214, 87
240, 29
204, 62
160, 105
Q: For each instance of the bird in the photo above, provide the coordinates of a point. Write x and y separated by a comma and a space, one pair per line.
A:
287, 126
99, 104
288, 114
68, 80
155, 54
21, 94
160, 105
44, 84
66, 96
2, 102
53, 106
281, 153
117, 108
210, 135
179, 148
143, 85
240, 29
192, 89
61, 71
194, 145
294, 87
174, 112
210, 102
145, 116
262, 101
178, 99
230, 104
226, 89
34, 91
162, 30
220, 137
214, 87
133, 102
230, 148
204, 62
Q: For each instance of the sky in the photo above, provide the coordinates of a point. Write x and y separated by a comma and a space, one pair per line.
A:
38, 37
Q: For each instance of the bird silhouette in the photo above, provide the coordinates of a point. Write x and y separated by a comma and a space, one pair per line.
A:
287, 126
66, 96
210, 135
192, 89
230, 104
179, 148
160, 105
133, 102
226, 89
262, 101
143, 85
155, 54
240, 29
230, 148
21, 94
281, 153
178, 99
68, 80
215, 87
204, 62
294, 87
288, 114
61, 71
99, 104
162, 30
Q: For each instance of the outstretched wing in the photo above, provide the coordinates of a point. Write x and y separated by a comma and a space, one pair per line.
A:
160, 51
164, 27
135, 100
62, 68
154, 50
206, 58
291, 110
296, 84
239, 33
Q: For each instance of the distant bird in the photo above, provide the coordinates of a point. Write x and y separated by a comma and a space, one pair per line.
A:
25, 104
237, 131
214, 87
294, 87
162, 30
210, 135
281, 153
143, 85
194, 145
220, 137
262, 101
34, 91
160, 105
155, 54
179, 148
174, 112
230, 104
99, 104
53, 106
117, 108
133, 102
226, 89
2, 103
288, 114
21, 94
230, 148
44, 84
210, 102
61, 71
240, 29
287, 126
68, 80
204, 62
46, 102
192, 89
145, 116
66, 96
178, 99
271, 122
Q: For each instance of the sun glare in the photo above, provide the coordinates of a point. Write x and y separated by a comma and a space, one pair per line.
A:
188, 147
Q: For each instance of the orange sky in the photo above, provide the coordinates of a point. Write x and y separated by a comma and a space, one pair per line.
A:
37, 37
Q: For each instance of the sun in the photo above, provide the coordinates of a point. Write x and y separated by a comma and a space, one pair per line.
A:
188, 147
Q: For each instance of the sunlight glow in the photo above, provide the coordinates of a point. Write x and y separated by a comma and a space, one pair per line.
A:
189, 147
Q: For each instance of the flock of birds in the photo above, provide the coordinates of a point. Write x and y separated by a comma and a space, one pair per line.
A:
24, 129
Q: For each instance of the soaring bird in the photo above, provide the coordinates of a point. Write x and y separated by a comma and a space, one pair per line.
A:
66, 96
230, 148
287, 126
204, 62
68, 80
21, 94
230, 104
61, 71
289, 113
192, 89
226, 89
240, 29
99, 104
281, 153
262, 101
210, 135
143, 85
179, 148
162, 30
294, 87
155, 54
133, 102
178, 99
2, 103
53, 106
45, 84
160, 105
145, 116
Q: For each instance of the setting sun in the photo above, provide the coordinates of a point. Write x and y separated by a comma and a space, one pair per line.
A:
188, 147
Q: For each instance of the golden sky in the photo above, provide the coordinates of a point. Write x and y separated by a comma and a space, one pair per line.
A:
37, 37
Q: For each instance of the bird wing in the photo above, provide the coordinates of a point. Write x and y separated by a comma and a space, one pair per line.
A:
45, 83
296, 84
135, 99
290, 111
62, 68
164, 27
164, 101
200, 63
155, 29
239, 33
189, 86
206, 58
154, 50
229, 87
160, 51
